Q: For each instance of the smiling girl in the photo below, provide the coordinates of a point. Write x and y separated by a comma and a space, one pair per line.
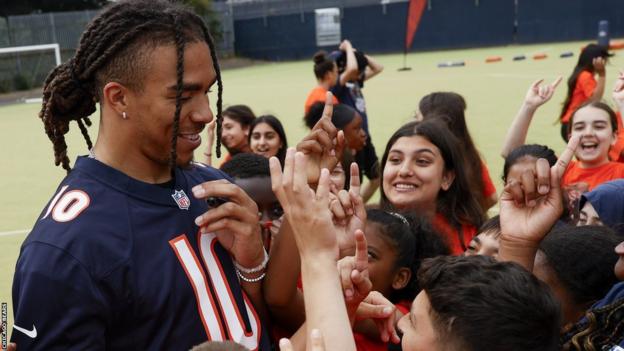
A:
422, 172
267, 137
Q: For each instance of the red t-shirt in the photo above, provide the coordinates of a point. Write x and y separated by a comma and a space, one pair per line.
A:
488, 186
317, 95
589, 178
450, 235
584, 89
362, 343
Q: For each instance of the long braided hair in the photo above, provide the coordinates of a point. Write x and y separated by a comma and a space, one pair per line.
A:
113, 48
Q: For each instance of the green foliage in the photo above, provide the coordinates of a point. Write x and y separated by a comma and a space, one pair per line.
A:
204, 9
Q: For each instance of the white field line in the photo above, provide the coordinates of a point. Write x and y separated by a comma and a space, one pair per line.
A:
15, 232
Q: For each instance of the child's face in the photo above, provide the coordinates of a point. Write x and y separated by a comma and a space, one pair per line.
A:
269, 209
337, 178
382, 258
415, 173
355, 136
596, 133
588, 215
417, 327
485, 244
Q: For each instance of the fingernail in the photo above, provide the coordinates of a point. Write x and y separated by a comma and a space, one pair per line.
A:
348, 293
283, 342
198, 220
532, 203
315, 333
198, 191
543, 189
387, 310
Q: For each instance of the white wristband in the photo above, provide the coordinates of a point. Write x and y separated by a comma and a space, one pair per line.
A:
254, 269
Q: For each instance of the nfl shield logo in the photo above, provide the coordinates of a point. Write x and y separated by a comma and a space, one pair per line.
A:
181, 199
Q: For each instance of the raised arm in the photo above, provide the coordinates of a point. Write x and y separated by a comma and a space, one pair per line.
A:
318, 248
210, 135
536, 96
351, 68
373, 68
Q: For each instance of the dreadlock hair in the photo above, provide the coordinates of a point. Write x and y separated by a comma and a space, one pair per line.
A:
114, 47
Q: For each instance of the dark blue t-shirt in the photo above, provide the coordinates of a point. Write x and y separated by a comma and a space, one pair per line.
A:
117, 264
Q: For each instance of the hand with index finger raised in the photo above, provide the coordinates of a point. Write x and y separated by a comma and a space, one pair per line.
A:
324, 145
529, 221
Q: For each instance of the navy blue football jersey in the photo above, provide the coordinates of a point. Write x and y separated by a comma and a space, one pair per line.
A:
117, 264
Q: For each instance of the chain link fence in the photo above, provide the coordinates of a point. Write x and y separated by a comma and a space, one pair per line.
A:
21, 71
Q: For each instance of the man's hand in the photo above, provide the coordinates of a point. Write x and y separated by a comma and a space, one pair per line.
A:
235, 222
324, 145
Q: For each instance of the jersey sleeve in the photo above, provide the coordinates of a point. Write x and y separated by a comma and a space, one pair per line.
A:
57, 304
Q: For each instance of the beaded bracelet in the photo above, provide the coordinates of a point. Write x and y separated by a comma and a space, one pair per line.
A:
255, 269
250, 280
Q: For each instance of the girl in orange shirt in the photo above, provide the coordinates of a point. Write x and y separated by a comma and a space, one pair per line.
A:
326, 73
422, 171
582, 86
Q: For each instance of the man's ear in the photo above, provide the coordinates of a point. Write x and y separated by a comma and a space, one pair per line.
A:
401, 278
115, 95
447, 180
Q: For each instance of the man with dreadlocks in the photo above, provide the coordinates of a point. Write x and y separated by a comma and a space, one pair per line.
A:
127, 255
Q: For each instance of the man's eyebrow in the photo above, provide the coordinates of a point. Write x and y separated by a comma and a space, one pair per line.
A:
186, 87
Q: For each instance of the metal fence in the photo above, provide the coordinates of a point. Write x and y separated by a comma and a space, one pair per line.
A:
249, 9
24, 70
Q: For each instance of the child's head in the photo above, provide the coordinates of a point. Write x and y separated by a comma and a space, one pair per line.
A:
596, 125
267, 137
476, 303
577, 263
448, 106
523, 158
325, 68
396, 246
251, 172
345, 118
486, 242
589, 53
603, 206
236, 122
422, 169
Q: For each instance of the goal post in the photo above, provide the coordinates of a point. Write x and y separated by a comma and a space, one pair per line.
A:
30, 48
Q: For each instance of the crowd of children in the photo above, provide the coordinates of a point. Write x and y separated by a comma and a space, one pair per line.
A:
435, 193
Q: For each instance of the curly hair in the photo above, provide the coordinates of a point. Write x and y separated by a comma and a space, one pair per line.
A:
115, 47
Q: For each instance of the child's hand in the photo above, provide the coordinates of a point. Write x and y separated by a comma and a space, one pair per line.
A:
539, 95
618, 91
307, 210
599, 65
324, 145
354, 277
376, 307
531, 205
349, 213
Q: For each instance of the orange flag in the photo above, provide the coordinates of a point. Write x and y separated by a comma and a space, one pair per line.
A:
416, 8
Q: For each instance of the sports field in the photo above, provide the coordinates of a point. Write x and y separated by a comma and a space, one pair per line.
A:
493, 92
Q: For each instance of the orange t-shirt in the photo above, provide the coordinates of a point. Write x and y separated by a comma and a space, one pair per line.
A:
584, 89
591, 177
317, 95
488, 185
451, 236
616, 151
